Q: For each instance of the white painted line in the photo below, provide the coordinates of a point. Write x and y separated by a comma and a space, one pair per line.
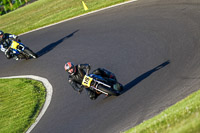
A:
81, 16
49, 90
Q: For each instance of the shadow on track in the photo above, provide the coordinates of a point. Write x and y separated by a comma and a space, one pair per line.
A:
53, 45
143, 76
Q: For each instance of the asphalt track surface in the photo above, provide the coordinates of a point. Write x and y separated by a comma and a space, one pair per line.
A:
152, 46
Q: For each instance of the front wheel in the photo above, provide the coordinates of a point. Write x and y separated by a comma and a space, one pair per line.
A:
118, 87
30, 53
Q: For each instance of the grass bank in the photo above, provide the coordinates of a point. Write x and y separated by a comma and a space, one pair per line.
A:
183, 117
20, 103
45, 12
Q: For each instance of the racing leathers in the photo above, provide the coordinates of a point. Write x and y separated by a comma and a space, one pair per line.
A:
76, 78
5, 43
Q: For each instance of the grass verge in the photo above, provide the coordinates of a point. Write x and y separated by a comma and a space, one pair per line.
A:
20, 103
45, 12
183, 117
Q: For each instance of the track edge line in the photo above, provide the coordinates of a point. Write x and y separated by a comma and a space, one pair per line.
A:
49, 91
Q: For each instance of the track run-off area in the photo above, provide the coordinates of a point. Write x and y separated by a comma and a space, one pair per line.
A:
152, 46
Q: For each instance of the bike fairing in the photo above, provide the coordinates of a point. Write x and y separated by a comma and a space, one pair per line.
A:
102, 85
14, 46
21, 51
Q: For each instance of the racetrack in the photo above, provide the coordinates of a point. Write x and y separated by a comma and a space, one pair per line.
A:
152, 46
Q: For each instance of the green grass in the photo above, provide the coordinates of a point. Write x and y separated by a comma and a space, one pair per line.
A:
45, 12
183, 117
20, 103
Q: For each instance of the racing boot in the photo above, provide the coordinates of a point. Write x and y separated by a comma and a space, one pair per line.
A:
92, 94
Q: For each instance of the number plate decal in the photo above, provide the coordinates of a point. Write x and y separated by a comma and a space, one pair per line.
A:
87, 81
14, 45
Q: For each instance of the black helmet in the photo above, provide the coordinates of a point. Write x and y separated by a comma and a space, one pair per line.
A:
1, 32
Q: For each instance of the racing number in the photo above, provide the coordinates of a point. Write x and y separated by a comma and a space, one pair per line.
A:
86, 81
